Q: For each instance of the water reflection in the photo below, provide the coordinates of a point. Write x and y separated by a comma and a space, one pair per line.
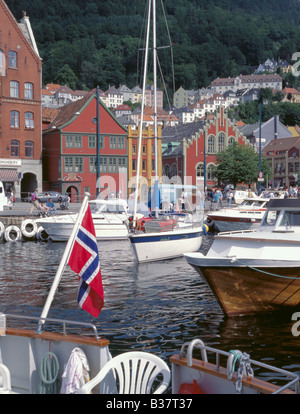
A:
155, 307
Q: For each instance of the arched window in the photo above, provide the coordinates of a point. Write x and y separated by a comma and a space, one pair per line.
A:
29, 120
210, 172
173, 170
14, 89
12, 59
167, 170
28, 149
14, 119
28, 90
14, 148
230, 141
200, 170
221, 142
211, 144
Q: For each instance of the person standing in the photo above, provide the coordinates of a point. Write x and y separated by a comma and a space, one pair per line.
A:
35, 201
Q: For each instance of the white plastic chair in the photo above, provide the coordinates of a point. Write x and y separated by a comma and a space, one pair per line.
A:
134, 372
5, 387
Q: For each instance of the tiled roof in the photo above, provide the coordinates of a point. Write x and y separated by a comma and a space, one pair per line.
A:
67, 112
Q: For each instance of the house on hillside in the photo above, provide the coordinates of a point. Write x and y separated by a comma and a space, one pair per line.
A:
70, 151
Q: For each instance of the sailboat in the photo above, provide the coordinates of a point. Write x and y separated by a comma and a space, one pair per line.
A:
178, 236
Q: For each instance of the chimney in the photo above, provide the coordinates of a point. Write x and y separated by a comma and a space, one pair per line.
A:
276, 125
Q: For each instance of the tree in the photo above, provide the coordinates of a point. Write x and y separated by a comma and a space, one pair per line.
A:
240, 164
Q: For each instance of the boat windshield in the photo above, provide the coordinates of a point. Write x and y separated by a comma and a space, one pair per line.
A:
270, 218
107, 208
290, 218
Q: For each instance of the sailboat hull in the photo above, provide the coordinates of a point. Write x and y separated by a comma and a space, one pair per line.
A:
165, 245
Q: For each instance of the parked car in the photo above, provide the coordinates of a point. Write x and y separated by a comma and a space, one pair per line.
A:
56, 197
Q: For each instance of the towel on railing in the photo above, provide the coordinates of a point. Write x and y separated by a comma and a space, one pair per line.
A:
76, 373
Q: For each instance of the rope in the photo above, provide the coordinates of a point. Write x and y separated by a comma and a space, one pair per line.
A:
49, 374
267, 273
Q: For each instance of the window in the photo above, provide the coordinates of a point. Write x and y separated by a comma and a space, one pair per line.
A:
29, 120
69, 141
92, 141
78, 141
200, 170
1, 59
28, 149
144, 165
210, 172
134, 149
230, 141
68, 164
122, 162
112, 166
112, 142
221, 141
78, 161
121, 142
12, 59
14, 148
14, 89
93, 164
28, 90
211, 144
103, 164
14, 119
134, 165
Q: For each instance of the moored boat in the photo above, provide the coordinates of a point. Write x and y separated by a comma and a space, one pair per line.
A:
110, 220
256, 271
245, 216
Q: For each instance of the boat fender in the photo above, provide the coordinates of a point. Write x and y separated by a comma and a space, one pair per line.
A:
190, 388
41, 234
29, 228
205, 229
2, 229
12, 233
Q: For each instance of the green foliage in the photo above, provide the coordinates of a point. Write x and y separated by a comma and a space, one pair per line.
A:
240, 163
100, 39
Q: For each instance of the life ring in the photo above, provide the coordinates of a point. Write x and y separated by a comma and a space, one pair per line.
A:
42, 234
12, 233
2, 229
29, 228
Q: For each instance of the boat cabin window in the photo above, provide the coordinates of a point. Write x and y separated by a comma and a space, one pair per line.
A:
107, 208
270, 218
290, 218
246, 203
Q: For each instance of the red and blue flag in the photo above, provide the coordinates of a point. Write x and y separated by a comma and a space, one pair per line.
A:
84, 260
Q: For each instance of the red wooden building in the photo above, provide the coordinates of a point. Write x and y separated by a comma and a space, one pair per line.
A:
184, 152
20, 105
70, 151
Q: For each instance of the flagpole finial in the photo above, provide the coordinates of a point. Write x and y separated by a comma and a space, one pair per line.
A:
87, 194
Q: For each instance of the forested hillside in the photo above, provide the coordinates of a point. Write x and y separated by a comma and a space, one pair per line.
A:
96, 42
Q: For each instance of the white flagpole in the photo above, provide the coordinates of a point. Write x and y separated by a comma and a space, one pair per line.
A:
62, 264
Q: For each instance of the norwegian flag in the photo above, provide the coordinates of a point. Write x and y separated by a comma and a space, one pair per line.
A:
84, 260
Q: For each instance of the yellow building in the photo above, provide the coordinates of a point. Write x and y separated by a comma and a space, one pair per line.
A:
147, 162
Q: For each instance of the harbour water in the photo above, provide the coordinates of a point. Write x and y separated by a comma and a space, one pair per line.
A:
154, 307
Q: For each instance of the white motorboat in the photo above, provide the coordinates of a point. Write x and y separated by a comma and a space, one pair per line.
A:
110, 220
245, 216
256, 271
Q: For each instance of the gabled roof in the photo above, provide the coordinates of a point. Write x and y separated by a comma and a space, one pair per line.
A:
281, 144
